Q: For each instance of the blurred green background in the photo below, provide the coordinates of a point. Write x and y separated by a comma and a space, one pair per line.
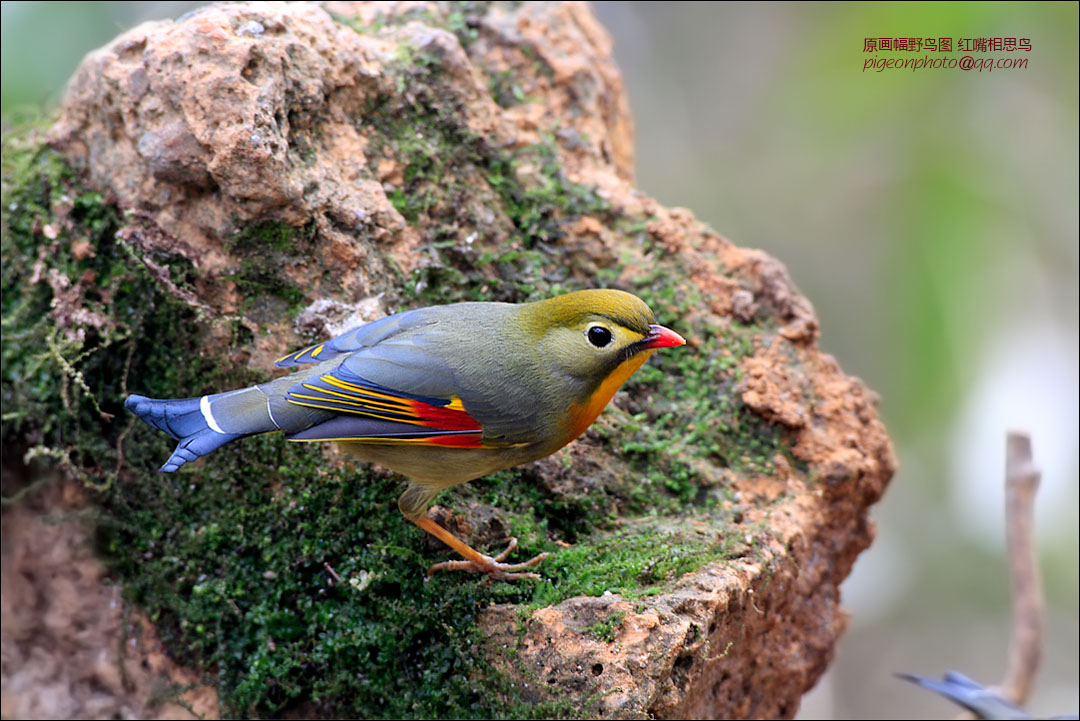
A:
932, 219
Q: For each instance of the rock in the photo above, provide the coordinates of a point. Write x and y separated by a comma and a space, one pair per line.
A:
315, 169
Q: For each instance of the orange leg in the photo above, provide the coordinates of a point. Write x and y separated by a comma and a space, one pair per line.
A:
477, 562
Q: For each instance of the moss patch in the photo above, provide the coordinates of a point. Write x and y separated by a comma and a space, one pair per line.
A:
605, 630
302, 584
489, 217
461, 17
74, 310
266, 250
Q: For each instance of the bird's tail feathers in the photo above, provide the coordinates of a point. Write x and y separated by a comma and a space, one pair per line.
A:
188, 420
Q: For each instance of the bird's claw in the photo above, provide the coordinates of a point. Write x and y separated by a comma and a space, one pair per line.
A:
495, 569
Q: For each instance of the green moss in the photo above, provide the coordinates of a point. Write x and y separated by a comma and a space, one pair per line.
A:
489, 217
539, 208
243, 578
237, 576
70, 314
605, 630
267, 236
505, 88
266, 250
695, 431
462, 18
635, 562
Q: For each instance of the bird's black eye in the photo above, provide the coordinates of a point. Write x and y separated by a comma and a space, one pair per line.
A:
599, 336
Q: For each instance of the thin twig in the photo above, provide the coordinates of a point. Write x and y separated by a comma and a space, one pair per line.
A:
1025, 646
332, 572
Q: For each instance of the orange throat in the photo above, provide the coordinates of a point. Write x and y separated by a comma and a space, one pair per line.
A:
583, 414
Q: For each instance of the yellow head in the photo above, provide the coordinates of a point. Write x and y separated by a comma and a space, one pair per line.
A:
597, 338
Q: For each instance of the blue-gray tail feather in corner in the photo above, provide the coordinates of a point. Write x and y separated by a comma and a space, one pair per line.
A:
984, 703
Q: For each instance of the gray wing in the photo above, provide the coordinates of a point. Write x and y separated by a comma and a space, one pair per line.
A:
365, 336
406, 370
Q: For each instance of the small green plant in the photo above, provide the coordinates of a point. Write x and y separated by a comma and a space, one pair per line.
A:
605, 630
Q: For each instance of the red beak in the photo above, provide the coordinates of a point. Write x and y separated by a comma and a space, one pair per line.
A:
661, 337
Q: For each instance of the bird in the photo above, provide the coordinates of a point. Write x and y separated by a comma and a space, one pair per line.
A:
442, 395
984, 703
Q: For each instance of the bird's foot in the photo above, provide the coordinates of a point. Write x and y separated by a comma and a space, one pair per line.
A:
495, 569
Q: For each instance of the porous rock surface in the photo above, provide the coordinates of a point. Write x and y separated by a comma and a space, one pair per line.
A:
238, 114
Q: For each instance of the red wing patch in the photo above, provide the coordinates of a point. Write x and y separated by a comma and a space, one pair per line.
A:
445, 421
